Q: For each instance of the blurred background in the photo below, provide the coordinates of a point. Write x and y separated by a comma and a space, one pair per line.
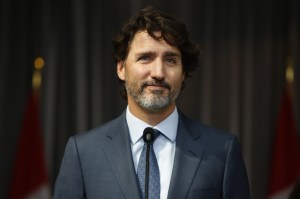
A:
247, 47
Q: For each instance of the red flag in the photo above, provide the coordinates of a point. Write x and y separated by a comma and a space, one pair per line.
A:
29, 175
286, 153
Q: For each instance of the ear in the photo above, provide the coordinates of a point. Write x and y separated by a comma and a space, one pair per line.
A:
121, 70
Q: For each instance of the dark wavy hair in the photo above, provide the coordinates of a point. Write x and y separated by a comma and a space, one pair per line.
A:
172, 31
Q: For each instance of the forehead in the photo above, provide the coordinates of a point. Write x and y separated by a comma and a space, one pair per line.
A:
142, 41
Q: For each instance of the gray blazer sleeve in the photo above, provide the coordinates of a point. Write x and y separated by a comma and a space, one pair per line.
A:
235, 184
69, 183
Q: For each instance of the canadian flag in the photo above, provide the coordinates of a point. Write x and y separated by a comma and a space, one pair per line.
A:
285, 167
30, 179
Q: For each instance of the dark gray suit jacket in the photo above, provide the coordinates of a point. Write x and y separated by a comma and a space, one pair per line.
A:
98, 165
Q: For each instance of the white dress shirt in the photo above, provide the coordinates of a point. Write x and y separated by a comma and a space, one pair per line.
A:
164, 146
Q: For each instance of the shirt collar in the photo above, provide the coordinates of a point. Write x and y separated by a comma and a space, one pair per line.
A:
168, 126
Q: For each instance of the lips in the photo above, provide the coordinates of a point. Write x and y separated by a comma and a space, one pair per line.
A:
161, 84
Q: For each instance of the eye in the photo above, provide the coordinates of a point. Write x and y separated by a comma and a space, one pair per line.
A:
171, 60
144, 58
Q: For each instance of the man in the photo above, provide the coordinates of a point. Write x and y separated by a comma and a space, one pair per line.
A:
154, 56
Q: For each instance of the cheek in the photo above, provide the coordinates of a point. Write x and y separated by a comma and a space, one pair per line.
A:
176, 76
138, 73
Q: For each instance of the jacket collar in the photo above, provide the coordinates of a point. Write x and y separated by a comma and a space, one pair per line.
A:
187, 158
118, 152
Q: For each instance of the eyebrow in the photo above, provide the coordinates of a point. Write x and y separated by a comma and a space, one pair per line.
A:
173, 54
167, 53
145, 53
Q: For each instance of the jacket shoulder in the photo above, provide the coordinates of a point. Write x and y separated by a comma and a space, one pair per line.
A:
199, 129
103, 133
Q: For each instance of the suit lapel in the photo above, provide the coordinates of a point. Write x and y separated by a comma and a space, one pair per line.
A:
187, 159
118, 152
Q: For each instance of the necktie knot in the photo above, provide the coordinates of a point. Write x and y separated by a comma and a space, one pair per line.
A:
149, 135
156, 134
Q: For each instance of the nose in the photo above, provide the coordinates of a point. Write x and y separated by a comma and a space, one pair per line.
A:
158, 70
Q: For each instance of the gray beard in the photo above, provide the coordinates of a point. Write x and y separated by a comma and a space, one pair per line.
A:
155, 102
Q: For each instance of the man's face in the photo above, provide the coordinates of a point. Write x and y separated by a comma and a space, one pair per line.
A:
153, 73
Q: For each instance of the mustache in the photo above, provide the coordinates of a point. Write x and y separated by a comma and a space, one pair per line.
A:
160, 83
